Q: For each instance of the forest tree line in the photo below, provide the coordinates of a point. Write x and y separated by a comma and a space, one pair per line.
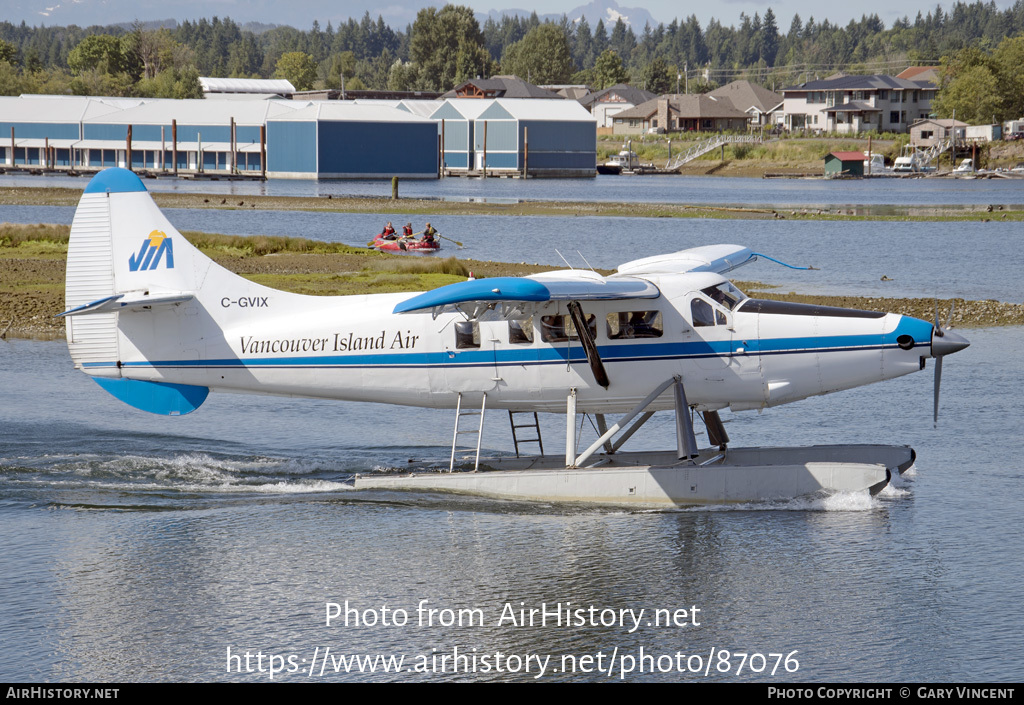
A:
445, 46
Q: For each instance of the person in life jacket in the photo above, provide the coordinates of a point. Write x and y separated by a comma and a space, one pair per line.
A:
429, 235
407, 230
389, 232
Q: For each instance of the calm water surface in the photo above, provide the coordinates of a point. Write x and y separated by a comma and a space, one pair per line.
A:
714, 190
145, 548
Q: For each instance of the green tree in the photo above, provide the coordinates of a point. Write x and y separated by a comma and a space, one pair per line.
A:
1009, 57
542, 56
101, 52
172, 83
974, 96
608, 70
342, 66
8, 52
402, 76
447, 47
657, 78
297, 67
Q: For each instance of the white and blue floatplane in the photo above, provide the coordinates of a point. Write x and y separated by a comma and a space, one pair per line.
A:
159, 325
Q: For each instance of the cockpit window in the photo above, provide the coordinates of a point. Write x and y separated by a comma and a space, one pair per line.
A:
703, 314
725, 294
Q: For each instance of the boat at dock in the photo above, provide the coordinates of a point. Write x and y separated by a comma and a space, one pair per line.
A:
625, 160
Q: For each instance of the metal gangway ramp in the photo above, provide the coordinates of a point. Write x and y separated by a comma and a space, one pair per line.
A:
705, 146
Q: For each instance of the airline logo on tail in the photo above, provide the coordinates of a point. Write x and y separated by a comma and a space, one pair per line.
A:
153, 249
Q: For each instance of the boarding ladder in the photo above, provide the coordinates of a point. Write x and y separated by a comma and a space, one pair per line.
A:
535, 425
705, 146
479, 430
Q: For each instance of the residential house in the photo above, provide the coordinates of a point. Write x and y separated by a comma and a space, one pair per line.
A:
605, 104
678, 113
931, 131
500, 87
852, 104
921, 73
756, 101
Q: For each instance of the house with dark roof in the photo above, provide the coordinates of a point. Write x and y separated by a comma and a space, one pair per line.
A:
500, 87
921, 73
852, 104
607, 103
679, 113
756, 101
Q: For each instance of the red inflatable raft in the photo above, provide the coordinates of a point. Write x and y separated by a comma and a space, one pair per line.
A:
380, 243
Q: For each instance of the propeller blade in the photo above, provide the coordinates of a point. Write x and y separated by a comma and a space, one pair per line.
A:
938, 382
949, 318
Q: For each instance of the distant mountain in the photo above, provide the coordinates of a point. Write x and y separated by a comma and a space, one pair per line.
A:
607, 10
298, 13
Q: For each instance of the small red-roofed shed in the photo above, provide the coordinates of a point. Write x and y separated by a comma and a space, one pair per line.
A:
844, 164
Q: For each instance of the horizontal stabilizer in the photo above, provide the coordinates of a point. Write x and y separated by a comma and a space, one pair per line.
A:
156, 397
551, 286
133, 301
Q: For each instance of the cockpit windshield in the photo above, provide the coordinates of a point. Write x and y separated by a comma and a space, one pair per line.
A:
725, 294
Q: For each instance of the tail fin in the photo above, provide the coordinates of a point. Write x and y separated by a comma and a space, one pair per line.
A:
124, 256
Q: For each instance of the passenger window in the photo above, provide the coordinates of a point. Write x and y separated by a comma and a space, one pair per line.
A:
634, 324
520, 331
557, 329
467, 334
570, 327
702, 313
552, 329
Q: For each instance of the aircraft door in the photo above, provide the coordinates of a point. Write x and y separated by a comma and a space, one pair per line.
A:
711, 332
723, 343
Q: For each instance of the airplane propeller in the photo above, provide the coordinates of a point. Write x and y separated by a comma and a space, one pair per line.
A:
944, 342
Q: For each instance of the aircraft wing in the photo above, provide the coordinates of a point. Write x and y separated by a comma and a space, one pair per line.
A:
573, 285
710, 258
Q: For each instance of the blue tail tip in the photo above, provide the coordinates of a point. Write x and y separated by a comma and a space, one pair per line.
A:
115, 180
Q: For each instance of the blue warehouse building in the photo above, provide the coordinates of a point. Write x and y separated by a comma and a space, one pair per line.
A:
299, 139
31, 126
456, 119
198, 135
555, 138
343, 140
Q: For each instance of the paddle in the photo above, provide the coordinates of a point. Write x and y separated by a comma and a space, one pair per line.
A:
449, 239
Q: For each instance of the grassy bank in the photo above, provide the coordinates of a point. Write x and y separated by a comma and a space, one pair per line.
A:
32, 263
429, 208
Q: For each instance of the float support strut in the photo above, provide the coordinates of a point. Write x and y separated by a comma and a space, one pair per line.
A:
570, 428
617, 427
686, 442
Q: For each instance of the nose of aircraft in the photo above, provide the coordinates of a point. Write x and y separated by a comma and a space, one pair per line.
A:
946, 342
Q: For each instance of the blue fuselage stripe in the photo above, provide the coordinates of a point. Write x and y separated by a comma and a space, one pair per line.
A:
559, 354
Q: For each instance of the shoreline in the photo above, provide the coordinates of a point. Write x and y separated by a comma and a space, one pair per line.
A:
51, 196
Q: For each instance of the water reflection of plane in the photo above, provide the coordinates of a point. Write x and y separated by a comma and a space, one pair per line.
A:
159, 325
